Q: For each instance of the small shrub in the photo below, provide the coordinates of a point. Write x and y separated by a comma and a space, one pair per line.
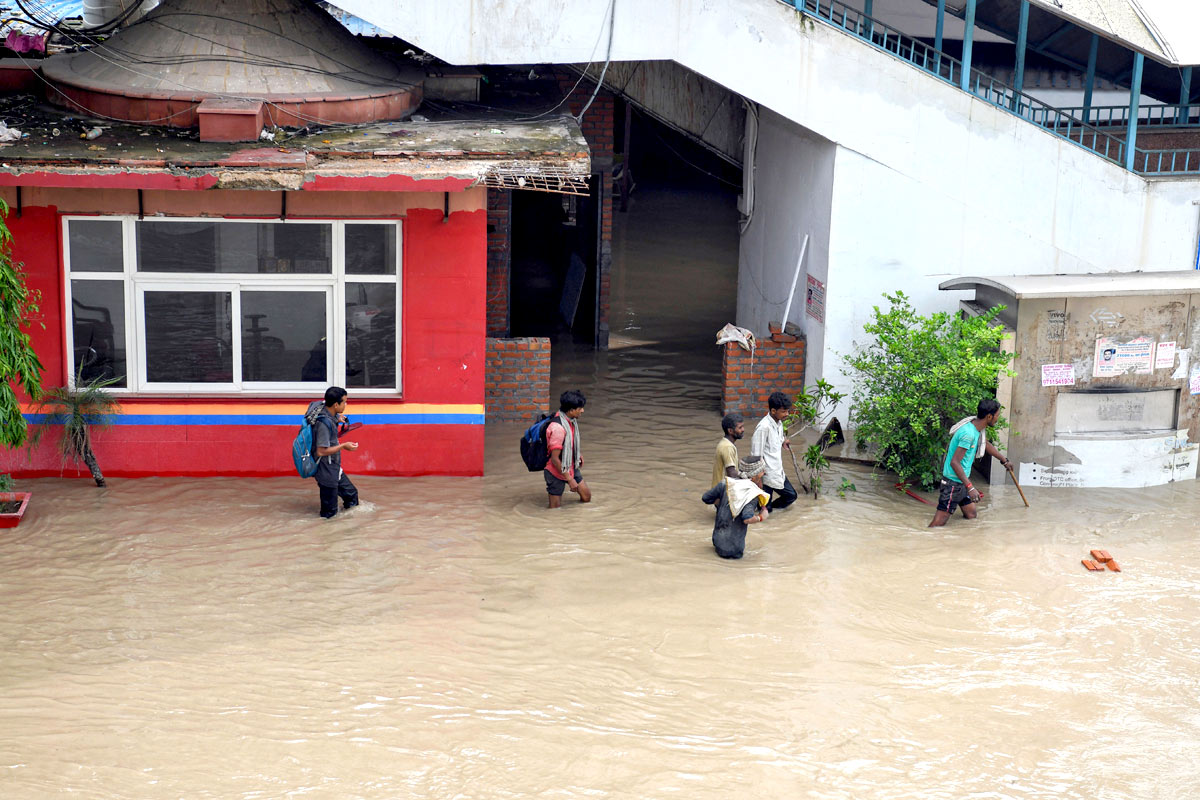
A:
916, 377
19, 364
70, 414
812, 408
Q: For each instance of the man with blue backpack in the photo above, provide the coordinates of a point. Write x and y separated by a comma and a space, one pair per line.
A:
327, 451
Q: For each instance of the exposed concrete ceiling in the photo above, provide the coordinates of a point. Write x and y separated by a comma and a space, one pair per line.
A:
1063, 29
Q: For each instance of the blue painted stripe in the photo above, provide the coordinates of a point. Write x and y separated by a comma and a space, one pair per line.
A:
290, 420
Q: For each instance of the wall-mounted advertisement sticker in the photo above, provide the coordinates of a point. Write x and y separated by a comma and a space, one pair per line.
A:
1184, 355
1164, 355
815, 303
1058, 375
1122, 358
1194, 381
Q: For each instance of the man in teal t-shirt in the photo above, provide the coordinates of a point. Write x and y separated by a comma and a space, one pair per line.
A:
956, 489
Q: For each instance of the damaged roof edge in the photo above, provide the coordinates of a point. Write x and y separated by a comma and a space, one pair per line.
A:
548, 156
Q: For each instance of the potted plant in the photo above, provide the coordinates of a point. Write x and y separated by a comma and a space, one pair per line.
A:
19, 364
70, 413
12, 504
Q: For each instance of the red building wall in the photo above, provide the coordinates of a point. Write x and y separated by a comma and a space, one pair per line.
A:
435, 428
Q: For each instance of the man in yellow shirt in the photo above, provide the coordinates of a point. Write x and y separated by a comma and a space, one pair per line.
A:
733, 425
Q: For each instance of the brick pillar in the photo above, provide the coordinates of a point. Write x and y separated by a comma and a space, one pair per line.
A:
777, 365
517, 379
597, 127
499, 260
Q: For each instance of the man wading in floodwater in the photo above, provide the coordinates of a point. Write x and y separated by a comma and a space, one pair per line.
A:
564, 469
725, 464
768, 441
967, 440
740, 502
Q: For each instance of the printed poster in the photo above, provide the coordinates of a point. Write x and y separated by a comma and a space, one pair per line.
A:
1164, 355
1058, 375
1194, 381
1123, 358
1185, 355
816, 299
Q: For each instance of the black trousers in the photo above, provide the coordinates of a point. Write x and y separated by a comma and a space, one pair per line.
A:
330, 494
787, 495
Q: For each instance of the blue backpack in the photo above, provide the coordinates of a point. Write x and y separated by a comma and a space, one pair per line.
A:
534, 451
302, 450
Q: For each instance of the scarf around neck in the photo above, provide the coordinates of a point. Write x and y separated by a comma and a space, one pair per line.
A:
981, 446
571, 452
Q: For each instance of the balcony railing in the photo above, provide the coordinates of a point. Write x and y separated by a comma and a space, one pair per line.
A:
1066, 123
1156, 115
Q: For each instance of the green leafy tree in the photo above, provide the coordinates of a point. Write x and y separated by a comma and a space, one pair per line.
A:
916, 377
19, 364
71, 413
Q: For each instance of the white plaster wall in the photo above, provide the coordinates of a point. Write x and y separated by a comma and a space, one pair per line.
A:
900, 229
928, 181
792, 196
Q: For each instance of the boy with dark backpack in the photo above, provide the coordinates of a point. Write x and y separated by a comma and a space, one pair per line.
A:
331, 480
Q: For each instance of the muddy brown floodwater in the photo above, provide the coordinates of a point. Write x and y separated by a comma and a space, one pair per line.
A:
451, 638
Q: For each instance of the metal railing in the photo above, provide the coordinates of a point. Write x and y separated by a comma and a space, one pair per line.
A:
1178, 161
1066, 123
1156, 115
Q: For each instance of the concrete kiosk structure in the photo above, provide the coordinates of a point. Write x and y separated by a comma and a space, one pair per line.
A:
1106, 392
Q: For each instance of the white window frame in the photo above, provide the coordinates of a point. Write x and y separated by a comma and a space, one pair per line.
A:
136, 284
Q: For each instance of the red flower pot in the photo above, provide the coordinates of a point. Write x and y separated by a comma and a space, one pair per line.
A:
11, 520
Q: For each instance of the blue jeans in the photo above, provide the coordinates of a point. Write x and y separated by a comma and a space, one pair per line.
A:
787, 495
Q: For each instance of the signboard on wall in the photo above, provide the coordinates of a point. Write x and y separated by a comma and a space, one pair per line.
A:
1122, 358
1058, 374
1164, 355
816, 299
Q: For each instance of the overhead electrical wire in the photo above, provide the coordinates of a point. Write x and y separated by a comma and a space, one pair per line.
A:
591, 60
612, 20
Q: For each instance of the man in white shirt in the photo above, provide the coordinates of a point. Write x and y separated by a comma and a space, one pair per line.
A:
768, 441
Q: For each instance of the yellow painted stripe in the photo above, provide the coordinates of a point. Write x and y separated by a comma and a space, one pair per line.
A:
286, 406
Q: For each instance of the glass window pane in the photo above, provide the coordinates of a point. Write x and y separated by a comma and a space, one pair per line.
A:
188, 337
370, 249
98, 330
283, 336
95, 245
371, 335
215, 246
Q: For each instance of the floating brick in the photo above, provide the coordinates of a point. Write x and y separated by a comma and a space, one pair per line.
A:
1092, 566
1101, 555
1114, 566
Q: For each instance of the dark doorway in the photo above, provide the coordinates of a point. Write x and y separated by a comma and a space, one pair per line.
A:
554, 251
